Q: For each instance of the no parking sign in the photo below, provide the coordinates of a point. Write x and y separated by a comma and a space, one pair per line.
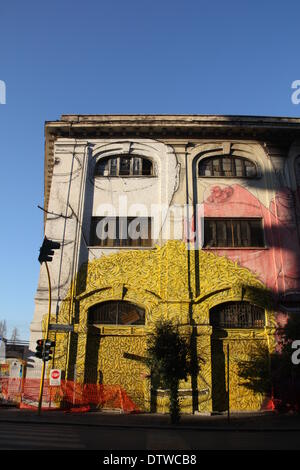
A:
55, 377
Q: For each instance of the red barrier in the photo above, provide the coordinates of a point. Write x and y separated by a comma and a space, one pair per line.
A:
69, 395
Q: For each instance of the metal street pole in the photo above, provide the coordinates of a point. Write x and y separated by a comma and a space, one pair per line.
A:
47, 330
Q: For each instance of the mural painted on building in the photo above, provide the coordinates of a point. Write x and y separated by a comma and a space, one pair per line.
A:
159, 281
277, 265
97, 284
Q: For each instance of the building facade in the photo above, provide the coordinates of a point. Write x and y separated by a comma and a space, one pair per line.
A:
189, 218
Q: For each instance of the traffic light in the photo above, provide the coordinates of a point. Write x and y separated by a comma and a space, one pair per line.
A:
43, 349
47, 250
39, 348
47, 353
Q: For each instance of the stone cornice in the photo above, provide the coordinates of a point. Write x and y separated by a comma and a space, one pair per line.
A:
175, 119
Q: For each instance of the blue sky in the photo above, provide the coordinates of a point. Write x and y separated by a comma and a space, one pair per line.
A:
167, 56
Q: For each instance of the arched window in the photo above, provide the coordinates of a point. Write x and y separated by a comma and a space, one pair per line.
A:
237, 315
116, 312
227, 166
124, 165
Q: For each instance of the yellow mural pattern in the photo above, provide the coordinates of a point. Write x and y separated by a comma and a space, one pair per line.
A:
168, 282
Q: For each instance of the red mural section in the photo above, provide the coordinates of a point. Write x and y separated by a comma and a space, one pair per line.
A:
278, 264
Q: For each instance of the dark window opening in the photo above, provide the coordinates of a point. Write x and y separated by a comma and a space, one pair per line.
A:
237, 315
121, 231
125, 165
116, 313
146, 167
101, 167
227, 232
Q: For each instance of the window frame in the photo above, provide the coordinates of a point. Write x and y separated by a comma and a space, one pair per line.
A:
233, 159
120, 242
256, 313
234, 230
117, 304
118, 159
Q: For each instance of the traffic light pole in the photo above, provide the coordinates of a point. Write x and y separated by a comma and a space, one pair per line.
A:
47, 330
46, 253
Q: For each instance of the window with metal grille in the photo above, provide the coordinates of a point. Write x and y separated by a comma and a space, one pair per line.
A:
116, 313
121, 231
227, 166
233, 232
237, 315
124, 165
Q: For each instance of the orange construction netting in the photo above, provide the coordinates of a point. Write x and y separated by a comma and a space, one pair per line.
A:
69, 395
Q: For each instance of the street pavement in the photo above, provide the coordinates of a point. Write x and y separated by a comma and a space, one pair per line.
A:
267, 421
45, 436
23, 429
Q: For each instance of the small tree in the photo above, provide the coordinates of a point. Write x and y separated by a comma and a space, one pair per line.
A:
275, 373
255, 372
168, 360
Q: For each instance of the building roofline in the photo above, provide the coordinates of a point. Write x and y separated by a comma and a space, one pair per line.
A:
171, 119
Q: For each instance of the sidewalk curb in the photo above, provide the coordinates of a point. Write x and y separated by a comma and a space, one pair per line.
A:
152, 426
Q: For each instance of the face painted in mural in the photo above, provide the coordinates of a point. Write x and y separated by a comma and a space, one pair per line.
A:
277, 263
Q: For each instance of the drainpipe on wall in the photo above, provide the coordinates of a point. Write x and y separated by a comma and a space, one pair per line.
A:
193, 340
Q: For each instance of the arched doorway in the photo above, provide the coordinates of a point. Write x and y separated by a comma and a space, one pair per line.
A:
115, 347
237, 326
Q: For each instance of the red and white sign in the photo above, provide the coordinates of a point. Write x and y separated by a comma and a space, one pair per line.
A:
55, 377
